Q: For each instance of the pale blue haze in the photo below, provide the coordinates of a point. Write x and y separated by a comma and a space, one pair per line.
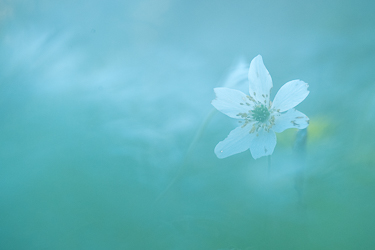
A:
107, 132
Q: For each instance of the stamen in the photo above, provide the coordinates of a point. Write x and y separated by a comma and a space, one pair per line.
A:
243, 115
252, 129
250, 98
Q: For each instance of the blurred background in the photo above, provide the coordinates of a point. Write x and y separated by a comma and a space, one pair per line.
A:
107, 132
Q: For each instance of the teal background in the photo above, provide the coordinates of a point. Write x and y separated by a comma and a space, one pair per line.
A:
107, 132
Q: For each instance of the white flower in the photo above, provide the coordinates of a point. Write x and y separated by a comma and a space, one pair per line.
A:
259, 117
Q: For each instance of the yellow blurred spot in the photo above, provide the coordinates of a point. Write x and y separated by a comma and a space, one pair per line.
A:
320, 128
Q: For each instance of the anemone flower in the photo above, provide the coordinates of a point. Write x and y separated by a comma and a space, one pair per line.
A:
259, 118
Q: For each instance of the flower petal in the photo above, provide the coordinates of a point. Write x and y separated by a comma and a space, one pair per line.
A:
290, 95
290, 119
228, 101
260, 81
263, 144
237, 141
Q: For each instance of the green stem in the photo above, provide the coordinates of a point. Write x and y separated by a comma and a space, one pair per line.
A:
269, 165
300, 159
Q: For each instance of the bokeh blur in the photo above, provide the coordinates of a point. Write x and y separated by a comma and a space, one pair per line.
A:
107, 132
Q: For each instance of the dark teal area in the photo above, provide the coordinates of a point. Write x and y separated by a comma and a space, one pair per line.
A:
107, 134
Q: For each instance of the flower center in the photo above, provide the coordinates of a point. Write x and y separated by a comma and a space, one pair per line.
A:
260, 113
